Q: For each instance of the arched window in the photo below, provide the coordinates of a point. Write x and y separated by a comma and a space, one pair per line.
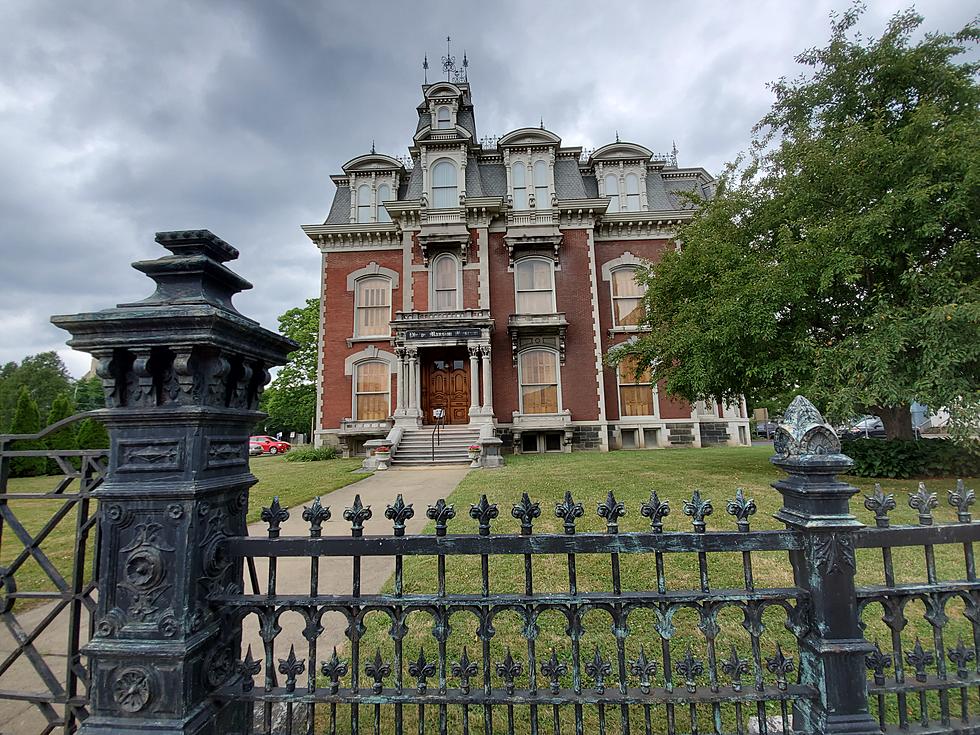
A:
372, 391
444, 185
518, 177
635, 389
445, 283
534, 283
364, 203
538, 374
612, 191
443, 118
632, 193
384, 195
541, 198
372, 307
627, 297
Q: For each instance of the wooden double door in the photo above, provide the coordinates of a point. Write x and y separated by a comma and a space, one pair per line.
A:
446, 384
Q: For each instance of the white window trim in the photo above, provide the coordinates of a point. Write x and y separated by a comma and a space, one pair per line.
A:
520, 380
551, 265
626, 260
391, 290
353, 385
432, 181
619, 400
529, 159
432, 282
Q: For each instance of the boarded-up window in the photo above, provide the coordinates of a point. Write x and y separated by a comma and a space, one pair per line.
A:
627, 297
635, 391
372, 307
539, 381
372, 383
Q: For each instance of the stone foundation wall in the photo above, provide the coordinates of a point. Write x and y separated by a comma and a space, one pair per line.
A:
680, 435
586, 437
714, 433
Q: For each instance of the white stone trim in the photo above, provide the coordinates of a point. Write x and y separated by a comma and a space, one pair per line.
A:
432, 281
626, 260
520, 381
483, 251
551, 265
370, 353
318, 418
597, 339
372, 269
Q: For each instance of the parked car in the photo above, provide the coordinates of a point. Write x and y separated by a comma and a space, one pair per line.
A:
766, 429
866, 426
270, 445
254, 449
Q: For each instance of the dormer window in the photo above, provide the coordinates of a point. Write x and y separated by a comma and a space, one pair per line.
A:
632, 193
518, 175
384, 195
443, 119
444, 185
363, 203
612, 192
541, 198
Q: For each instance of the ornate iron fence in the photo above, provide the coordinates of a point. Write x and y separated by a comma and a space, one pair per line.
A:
48, 553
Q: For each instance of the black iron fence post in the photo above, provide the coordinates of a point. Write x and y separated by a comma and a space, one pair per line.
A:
832, 649
182, 372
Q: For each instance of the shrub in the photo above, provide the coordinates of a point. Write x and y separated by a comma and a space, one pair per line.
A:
923, 458
27, 420
92, 435
312, 454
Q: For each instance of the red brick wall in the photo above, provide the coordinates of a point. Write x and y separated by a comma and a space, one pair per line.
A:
505, 400
471, 289
339, 327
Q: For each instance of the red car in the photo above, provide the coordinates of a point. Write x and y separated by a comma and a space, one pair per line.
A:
269, 444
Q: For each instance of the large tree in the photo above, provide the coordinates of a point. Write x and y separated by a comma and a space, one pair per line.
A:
840, 258
290, 400
45, 377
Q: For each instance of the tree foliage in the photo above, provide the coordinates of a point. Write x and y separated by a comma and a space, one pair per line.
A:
839, 259
45, 377
26, 420
92, 435
65, 438
290, 400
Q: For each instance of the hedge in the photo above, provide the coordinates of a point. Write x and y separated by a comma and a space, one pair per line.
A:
922, 458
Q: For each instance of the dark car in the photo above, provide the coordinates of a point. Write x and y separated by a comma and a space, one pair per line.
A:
766, 429
870, 427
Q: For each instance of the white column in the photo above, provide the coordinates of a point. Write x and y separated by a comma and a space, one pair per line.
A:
487, 387
413, 375
400, 379
474, 379
417, 383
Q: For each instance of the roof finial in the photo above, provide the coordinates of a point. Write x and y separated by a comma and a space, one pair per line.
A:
372, 146
425, 69
673, 152
466, 63
542, 123
617, 136
453, 74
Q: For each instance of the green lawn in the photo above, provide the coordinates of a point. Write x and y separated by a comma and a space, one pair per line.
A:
293, 482
632, 476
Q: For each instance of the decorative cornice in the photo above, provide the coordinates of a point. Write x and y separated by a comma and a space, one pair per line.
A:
358, 236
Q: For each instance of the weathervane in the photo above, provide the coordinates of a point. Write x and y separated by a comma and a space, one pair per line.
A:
454, 73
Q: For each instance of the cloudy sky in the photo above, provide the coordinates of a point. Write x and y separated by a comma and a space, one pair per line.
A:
118, 119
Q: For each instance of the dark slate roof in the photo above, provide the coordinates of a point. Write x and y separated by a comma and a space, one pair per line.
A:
674, 186
591, 186
465, 119
494, 179
474, 185
340, 209
657, 200
568, 179
414, 188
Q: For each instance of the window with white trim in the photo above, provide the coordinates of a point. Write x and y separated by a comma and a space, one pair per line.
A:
627, 297
443, 118
534, 284
384, 195
635, 389
611, 185
541, 198
363, 203
632, 193
372, 391
444, 185
539, 381
445, 283
518, 179
372, 307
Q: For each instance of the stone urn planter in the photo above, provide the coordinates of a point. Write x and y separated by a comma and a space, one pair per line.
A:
383, 455
474, 451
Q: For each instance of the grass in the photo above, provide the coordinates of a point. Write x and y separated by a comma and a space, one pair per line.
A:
293, 482
632, 476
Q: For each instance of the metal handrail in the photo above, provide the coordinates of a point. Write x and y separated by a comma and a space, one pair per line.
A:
436, 435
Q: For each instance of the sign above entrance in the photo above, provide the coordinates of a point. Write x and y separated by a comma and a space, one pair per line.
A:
459, 333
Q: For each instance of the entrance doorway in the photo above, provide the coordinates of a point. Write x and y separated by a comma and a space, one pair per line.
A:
446, 384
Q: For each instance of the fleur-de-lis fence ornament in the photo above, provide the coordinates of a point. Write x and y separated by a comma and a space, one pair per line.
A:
876, 662
962, 499
356, 515
961, 656
291, 667
923, 501
656, 510
526, 511
880, 503
598, 669
398, 512
275, 515
690, 668
421, 670
316, 514
735, 667
569, 511
780, 665
698, 509
742, 508
483, 512
248, 669
554, 670
612, 510
441, 513
463, 670
508, 670
643, 668
334, 669
377, 669
920, 659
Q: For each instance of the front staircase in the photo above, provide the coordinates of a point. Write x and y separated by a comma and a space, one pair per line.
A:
415, 447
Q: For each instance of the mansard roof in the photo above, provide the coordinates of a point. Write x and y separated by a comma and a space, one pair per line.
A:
372, 162
528, 136
620, 151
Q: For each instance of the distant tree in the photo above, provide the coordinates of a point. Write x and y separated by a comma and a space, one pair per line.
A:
45, 377
290, 399
92, 435
65, 438
840, 259
88, 394
26, 420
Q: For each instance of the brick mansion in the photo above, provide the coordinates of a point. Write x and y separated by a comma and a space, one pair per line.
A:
480, 283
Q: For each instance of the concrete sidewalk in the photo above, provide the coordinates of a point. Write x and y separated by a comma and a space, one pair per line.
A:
420, 487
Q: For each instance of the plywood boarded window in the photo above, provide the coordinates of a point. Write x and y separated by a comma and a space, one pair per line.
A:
372, 391
627, 296
635, 389
372, 307
539, 381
